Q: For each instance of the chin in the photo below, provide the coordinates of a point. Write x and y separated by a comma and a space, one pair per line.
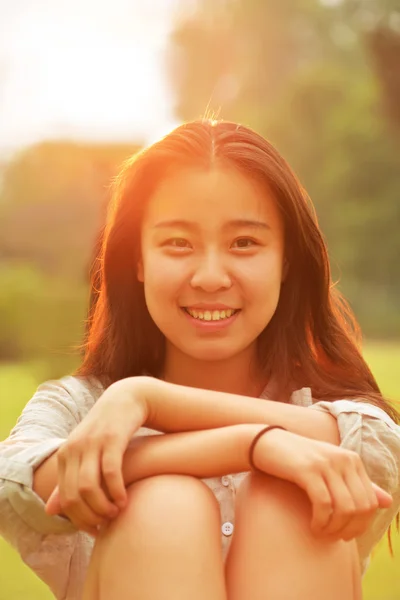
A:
211, 352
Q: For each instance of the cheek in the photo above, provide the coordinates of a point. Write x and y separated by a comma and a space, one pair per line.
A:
261, 277
163, 276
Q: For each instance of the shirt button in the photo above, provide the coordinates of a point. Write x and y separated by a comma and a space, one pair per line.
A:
227, 528
225, 480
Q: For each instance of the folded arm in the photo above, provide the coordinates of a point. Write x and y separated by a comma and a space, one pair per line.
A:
209, 453
174, 408
202, 454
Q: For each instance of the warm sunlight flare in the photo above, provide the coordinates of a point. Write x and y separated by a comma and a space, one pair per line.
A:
84, 70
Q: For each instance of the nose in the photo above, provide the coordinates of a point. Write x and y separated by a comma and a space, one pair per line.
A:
211, 274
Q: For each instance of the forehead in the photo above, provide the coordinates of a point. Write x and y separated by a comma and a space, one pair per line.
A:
211, 196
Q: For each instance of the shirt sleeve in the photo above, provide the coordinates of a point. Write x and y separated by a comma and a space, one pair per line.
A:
369, 431
43, 426
50, 545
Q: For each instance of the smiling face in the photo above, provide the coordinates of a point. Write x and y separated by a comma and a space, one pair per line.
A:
212, 261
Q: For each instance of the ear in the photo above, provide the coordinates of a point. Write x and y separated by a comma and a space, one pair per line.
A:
140, 271
285, 270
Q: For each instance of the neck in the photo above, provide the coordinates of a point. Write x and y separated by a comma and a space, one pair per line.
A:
236, 375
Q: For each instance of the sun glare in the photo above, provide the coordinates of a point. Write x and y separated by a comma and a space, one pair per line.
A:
85, 71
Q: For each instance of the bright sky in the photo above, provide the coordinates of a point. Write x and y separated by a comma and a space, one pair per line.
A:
88, 69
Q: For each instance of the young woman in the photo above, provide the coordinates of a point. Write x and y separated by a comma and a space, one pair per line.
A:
215, 317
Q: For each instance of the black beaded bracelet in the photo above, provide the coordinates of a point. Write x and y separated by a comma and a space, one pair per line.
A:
253, 443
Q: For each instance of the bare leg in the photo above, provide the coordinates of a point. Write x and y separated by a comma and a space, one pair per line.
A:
274, 555
165, 545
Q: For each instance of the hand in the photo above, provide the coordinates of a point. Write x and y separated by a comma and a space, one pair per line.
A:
343, 498
91, 488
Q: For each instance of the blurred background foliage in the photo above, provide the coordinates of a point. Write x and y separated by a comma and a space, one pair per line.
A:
52, 207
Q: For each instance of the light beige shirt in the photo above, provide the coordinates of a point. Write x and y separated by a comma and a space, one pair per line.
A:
59, 554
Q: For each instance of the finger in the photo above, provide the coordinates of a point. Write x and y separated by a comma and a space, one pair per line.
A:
385, 500
67, 476
72, 504
344, 507
53, 505
112, 473
376, 498
369, 487
321, 500
90, 487
361, 492
82, 526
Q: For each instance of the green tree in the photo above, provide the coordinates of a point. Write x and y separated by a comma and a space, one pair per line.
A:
53, 202
52, 208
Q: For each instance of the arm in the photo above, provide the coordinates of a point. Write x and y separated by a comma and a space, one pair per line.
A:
202, 454
209, 453
173, 408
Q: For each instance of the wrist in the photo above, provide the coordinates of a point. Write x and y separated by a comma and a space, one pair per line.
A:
248, 434
135, 391
263, 447
270, 451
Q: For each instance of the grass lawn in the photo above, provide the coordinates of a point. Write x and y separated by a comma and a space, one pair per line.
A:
17, 384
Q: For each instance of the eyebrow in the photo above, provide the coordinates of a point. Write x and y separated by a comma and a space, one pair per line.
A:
230, 225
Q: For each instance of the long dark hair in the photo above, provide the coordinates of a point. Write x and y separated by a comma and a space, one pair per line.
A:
313, 337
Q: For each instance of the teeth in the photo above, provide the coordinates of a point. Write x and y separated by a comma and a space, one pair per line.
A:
218, 314
215, 315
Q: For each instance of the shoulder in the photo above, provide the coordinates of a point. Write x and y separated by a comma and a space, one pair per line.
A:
357, 406
341, 406
84, 389
70, 395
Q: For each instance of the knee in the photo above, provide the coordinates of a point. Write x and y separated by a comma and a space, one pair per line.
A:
167, 502
272, 496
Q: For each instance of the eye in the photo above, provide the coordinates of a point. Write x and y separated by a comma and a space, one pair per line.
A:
244, 243
177, 243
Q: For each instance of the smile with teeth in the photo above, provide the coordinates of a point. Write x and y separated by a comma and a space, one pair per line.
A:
211, 315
